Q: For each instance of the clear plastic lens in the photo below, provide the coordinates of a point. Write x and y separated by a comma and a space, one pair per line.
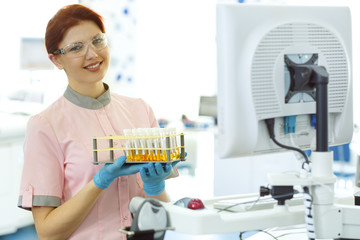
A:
79, 49
74, 48
99, 42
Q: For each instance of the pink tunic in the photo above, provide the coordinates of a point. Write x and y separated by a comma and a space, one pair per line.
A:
58, 158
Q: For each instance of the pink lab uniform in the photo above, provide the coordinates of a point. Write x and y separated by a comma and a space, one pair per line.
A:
59, 159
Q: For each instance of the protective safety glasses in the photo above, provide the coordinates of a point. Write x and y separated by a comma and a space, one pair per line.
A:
79, 49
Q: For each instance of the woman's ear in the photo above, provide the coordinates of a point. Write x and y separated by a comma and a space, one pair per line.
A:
55, 61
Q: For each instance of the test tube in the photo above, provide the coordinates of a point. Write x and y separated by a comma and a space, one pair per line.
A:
128, 145
149, 144
136, 145
162, 132
141, 133
175, 151
177, 143
156, 143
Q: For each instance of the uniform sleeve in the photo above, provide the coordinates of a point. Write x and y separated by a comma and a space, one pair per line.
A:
43, 172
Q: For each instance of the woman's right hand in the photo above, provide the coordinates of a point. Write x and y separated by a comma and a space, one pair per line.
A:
111, 171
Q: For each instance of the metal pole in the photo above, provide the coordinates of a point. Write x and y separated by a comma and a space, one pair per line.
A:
182, 149
95, 152
111, 143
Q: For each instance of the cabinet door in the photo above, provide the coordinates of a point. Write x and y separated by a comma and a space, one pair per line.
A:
11, 162
6, 171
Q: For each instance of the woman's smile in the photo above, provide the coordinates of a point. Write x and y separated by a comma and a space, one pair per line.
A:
93, 67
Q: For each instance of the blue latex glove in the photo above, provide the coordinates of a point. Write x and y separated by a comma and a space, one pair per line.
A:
111, 171
153, 176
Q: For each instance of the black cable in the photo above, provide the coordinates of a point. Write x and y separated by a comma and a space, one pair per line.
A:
255, 201
270, 123
236, 204
307, 191
292, 148
240, 236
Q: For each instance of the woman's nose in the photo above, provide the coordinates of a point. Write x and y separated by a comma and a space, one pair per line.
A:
91, 52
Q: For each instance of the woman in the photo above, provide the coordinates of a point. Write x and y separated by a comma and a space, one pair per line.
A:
71, 198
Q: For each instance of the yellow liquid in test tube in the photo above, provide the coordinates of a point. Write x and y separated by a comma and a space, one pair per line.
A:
128, 144
151, 144
155, 133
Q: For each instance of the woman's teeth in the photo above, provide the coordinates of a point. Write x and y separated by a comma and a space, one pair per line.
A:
93, 66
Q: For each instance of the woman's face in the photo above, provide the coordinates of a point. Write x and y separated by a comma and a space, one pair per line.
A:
89, 69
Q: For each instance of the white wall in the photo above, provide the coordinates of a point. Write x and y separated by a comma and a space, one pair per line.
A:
176, 59
28, 19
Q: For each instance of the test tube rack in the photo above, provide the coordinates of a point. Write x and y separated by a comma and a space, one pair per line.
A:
166, 154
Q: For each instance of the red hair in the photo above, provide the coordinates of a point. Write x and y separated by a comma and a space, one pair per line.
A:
67, 17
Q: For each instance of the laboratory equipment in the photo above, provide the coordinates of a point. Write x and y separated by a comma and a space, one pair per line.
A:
150, 222
141, 145
255, 42
196, 203
271, 61
208, 106
285, 82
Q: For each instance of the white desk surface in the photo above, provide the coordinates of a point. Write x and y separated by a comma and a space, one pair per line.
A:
171, 235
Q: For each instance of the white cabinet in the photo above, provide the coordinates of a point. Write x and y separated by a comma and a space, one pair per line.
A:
12, 131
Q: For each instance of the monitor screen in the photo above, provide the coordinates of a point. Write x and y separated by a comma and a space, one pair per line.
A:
255, 44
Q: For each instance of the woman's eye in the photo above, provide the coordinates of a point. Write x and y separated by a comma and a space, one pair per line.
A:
97, 41
75, 48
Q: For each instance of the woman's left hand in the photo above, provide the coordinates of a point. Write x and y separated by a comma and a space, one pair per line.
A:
153, 176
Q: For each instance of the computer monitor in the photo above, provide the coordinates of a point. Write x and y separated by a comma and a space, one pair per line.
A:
254, 44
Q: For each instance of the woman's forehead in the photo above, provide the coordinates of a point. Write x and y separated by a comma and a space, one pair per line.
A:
81, 32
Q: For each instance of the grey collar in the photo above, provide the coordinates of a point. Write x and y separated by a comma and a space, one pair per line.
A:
88, 102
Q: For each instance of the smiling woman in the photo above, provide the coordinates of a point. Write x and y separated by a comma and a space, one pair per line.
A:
70, 198
83, 65
67, 39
